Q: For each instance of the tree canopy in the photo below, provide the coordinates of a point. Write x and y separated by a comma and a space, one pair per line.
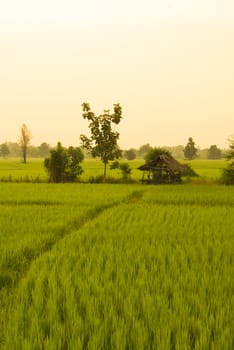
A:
130, 154
190, 150
103, 139
214, 152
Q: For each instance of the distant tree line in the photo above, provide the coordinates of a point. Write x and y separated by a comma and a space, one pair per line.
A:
100, 127
14, 150
63, 164
189, 151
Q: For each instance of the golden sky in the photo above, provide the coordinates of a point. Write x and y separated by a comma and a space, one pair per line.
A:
169, 63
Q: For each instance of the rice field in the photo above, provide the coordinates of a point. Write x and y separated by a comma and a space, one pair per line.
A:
13, 170
87, 266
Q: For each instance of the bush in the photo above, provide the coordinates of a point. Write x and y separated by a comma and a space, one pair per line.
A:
63, 165
124, 168
228, 175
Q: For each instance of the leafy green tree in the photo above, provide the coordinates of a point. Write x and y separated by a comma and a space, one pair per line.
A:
228, 173
214, 152
154, 152
190, 151
44, 150
74, 158
130, 154
4, 150
25, 138
143, 150
63, 165
103, 140
55, 164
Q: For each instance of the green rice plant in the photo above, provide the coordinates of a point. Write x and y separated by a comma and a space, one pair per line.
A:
208, 168
12, 169
33, 217
154, 271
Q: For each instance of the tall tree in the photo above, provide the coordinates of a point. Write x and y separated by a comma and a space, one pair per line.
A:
190, 151
103, 140
214, 152
25, 138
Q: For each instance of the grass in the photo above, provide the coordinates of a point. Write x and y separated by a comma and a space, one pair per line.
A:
12, 169
129, 267
208, 168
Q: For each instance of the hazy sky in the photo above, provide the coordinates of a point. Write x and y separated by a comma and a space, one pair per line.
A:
169, 63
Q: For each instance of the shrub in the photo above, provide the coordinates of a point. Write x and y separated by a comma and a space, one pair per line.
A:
63, 165
228, 175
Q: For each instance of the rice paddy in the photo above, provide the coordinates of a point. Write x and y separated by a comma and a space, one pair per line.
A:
87, 266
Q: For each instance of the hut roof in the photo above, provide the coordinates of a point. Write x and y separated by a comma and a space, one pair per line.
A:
163, 160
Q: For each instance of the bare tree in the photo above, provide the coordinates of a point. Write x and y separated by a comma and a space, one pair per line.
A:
25, 138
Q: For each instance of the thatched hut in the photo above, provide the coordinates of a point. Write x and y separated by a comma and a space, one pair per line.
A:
163, 169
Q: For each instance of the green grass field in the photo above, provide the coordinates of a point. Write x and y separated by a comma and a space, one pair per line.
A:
87, 266
12, 169
208, 168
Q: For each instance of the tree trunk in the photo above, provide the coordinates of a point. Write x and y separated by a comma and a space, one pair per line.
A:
24, 155
104, 175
